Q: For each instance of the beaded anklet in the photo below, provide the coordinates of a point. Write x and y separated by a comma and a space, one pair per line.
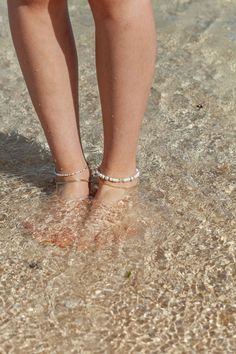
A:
117, 180
59, 174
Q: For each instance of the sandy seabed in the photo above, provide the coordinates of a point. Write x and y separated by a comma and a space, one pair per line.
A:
163, 280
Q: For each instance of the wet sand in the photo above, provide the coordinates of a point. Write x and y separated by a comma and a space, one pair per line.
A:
163, 279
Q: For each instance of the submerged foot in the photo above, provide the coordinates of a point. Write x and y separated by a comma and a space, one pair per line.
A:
73, 216
73, 188
112, 218
110, 193
56, 221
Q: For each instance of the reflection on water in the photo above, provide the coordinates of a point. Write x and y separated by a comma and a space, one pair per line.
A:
85, 224
156, 273
145, 274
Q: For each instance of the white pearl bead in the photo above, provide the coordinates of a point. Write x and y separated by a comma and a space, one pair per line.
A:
113, 179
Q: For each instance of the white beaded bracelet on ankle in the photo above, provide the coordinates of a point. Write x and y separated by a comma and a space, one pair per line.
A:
117, 180
59, 174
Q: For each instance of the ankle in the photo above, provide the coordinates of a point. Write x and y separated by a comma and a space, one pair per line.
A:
70, 167
114, 181
117, 171
72, 172
126, 185
76, 177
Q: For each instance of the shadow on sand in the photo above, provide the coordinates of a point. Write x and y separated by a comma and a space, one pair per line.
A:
26, 159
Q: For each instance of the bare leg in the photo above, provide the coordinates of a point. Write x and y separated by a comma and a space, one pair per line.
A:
44, 43
125, 58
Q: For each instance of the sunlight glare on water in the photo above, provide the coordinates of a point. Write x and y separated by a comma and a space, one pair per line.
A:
156, 272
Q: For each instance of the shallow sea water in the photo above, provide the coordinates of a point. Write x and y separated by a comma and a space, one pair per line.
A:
156, 275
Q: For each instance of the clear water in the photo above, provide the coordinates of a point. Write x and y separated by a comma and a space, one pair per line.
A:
156, 275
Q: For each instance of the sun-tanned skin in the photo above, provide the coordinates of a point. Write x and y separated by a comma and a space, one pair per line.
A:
125, 59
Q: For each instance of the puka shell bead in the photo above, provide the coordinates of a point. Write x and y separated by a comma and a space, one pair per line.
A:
113, 179
62, 174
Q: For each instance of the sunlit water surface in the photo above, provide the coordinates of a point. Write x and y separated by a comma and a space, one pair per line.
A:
155, 274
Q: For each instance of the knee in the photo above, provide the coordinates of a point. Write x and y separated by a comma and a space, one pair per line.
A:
116, 10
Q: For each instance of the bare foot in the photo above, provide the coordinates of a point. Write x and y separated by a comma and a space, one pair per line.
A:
73, 187
113, 217
109, 193
56, 222
57, 219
